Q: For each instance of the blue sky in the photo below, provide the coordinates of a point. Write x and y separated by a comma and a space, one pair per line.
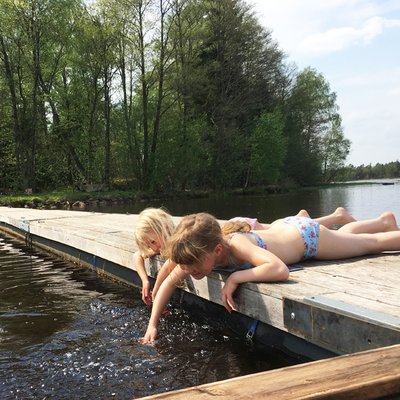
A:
355, 45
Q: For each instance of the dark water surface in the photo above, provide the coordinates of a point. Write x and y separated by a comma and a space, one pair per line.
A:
67, 334
363, 201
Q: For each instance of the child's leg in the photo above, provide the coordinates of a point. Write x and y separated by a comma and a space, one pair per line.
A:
339, 217
334, 245
303, 213
384, 223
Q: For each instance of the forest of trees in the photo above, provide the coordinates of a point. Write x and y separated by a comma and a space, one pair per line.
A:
160, 94
362, 172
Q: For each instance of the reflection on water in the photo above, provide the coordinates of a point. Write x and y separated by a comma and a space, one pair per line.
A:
66, 334
363, 201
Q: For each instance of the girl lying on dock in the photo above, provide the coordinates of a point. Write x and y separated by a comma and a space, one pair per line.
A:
199, 245
155, 226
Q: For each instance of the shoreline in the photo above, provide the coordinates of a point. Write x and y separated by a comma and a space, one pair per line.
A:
79, 200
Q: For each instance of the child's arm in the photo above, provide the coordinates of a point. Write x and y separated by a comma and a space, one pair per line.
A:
139, 265
267, 268
161, 301
164, 271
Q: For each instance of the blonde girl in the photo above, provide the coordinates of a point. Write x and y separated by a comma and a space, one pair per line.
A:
199, 245
153, 229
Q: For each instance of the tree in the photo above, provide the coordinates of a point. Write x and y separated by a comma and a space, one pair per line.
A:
168, 94
269, 147
334, 150
238, 72
34, 41
311, 112
183, 158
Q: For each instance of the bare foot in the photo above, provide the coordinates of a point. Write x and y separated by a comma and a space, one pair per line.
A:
343, 216
389, 221
303, 213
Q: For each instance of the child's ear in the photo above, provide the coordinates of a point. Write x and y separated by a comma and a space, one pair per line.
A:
218, 249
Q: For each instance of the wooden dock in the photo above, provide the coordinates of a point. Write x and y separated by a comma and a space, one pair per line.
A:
373, 374
341, 307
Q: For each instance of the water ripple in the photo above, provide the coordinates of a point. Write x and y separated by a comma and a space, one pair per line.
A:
60, 340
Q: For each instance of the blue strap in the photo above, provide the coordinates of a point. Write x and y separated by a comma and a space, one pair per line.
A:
252, 330
293, 268
94, 262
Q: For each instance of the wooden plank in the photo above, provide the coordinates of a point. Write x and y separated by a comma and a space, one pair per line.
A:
372, 305
374, 290
368, 375
115, 251
381, 269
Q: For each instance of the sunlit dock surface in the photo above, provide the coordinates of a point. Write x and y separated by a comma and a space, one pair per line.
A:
324, 309
373, 374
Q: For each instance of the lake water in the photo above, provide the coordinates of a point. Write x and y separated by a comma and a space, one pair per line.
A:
67, 334
364, 201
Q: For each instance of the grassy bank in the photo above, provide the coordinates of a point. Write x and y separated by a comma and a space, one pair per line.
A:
66, 198
79, 199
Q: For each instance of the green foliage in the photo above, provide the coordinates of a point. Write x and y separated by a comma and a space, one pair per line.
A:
8, 173
334, 150
171, 95
317, 145
44, 199
268, 149
377, 171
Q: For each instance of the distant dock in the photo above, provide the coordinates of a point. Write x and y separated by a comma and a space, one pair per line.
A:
324, 309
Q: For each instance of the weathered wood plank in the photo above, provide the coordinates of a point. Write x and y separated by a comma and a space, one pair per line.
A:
371, 290
381, 269
368, 375
372, 305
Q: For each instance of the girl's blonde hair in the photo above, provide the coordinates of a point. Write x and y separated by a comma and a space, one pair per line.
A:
235, 226
152, 220
194, 237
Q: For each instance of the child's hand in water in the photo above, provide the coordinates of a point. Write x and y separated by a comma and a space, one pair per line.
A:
150, 335
146, 296
227, 294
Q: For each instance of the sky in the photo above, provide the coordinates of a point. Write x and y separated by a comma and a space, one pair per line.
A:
355, 45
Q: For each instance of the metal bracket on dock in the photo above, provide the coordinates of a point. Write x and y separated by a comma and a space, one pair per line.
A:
25, 227
94, 260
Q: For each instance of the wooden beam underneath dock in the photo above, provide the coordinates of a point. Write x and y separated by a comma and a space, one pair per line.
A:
366, 375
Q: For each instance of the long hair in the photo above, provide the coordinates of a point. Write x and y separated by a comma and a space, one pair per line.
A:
235, 226
153, 220
194, 237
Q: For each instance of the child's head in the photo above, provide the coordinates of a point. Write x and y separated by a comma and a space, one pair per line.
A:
196, 236
153, 229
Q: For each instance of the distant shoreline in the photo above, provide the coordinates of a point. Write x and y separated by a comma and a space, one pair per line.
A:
79, 200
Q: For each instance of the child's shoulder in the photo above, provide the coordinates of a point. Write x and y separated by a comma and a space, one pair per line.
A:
238, 237
243, 239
